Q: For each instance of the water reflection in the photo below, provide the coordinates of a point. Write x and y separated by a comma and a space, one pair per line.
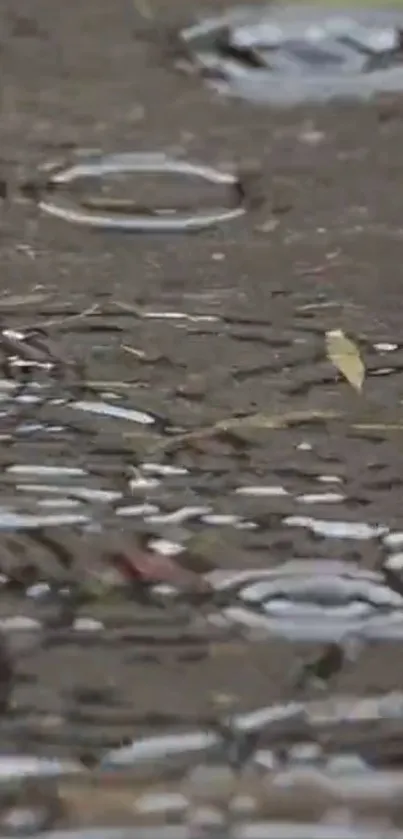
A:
179, 779
192, 562
336, 529
318, 55
311, 601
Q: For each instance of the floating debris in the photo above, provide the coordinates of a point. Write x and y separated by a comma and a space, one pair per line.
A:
157, 566
286, 55
345, 356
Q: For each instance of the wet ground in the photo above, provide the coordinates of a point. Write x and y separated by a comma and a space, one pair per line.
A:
115, 519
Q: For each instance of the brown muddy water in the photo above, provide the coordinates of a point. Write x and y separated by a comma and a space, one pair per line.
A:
201, 522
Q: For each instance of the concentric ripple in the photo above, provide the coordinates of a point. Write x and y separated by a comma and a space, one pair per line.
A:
288, 55
312, 601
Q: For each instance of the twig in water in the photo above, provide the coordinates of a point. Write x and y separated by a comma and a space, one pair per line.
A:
133, 351
263, 421
92, 310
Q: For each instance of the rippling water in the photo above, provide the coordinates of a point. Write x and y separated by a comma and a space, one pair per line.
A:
184, 551
201, 534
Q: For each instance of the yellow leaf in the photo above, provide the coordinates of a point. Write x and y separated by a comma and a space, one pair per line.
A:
345, 356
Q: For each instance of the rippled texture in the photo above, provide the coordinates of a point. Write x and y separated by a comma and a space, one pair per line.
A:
200, 521
287, 55
104, 213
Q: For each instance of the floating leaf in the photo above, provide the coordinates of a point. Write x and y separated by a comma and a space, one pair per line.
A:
345, 356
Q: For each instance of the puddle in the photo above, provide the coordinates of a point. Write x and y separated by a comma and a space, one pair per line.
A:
201, 539
287, 55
